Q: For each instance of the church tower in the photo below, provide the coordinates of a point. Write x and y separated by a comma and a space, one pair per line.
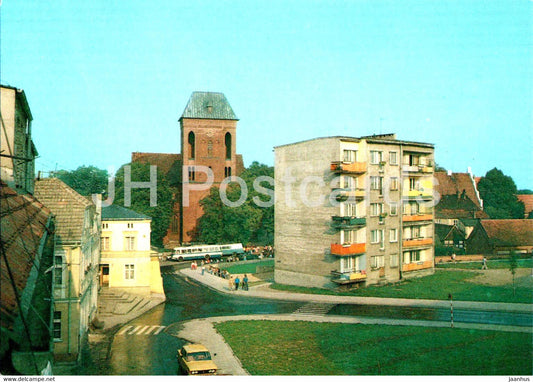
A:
208, 138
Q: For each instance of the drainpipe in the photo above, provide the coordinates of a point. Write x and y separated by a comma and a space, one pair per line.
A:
69, 299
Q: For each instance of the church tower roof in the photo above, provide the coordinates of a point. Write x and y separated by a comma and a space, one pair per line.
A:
208, 105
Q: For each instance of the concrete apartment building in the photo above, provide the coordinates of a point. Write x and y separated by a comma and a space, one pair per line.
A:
353, 211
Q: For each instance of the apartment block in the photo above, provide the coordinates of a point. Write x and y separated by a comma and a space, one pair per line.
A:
353, 211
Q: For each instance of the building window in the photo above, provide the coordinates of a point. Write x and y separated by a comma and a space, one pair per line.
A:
394, 184
393, 237
130, 225
394, 260
376, 183
227, 141
411, 208
376, 157
349, 156
104, 243
105, 225
350, 209
413, 184
393, 209
129, 271
348, 182
393, 157
377, 261
349, 236
414, 160
412, 257
209, 148
376, 209
192, 144
192, 173
57, 325
227, 171
348, 264
130, 243
377, 236
175, 224
58, 272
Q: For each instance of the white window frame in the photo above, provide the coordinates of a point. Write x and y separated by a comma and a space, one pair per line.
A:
394, 260
105, 243
376, 157
56, 330
393, 154
394, 184
129, 243
376, 209
393, 235
393, 208
377, 262
129, 271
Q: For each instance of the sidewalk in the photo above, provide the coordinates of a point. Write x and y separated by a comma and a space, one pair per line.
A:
263, 291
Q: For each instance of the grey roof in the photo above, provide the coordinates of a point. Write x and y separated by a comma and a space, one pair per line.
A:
114, 212
208, 105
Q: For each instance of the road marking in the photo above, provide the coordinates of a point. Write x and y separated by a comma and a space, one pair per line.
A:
141, 330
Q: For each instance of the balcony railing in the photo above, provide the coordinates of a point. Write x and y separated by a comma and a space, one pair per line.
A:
348, 277
347, 221
418, 194
417, 218
417, 266
419, 242
343, 194
348, 249
348, 167
418, 169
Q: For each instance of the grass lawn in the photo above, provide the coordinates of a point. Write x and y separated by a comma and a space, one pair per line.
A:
434, 287
492, 264
244, 267
311, 348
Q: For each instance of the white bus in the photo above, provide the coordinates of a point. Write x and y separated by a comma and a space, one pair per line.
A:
195, 252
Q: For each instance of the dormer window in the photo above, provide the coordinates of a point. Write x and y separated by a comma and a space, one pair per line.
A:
209, 107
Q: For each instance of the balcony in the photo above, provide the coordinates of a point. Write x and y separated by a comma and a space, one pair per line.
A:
417, 266
419, 169
343, 194
347, 221
419, 242
416, 218
348, 167
418, 195
348, 277
348, 249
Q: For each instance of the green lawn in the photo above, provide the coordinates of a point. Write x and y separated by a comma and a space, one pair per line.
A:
311, 348
245, 267
492, 264
434, 287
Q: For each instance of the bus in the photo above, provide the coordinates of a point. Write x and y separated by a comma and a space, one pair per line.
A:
206, 252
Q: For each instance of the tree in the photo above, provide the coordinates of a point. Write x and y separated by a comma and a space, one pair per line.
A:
246, 223
86, 180
498, 192
140, 199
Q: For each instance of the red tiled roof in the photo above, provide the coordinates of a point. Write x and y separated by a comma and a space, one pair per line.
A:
455, 184
66, 204
164, 162
528, 202
24, 222
509, 232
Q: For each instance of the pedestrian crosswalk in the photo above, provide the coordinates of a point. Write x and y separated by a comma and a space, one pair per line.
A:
141, 330
313, 309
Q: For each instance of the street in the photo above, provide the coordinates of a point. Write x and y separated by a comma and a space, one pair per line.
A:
148, 344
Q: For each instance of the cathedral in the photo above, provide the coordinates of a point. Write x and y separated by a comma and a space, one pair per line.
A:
208, 129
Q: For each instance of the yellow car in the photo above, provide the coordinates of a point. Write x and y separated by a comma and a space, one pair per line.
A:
195, 359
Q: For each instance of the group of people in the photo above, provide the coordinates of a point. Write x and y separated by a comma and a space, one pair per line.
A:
234, 283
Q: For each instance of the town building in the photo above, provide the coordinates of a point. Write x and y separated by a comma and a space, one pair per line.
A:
127, 261
17, 150
353, 211
208, 130
501, 237
76, 265
26, 301
527, 200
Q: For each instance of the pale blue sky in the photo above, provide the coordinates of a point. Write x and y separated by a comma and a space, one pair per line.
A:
105, 78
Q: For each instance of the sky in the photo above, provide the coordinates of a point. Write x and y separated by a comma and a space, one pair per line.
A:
106, 78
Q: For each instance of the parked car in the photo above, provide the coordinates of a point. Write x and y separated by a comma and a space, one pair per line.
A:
195, 359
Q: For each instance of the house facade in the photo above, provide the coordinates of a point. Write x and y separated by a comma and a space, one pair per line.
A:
76, 265
208, 130
17, 164
353, 211
127, 261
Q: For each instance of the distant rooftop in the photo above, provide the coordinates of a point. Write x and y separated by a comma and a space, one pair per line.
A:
208, 105
114, 212
381, 138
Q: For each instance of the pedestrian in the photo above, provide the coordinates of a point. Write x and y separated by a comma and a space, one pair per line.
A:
453, 257
237, 281
484, 266
245, 282
203, 270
